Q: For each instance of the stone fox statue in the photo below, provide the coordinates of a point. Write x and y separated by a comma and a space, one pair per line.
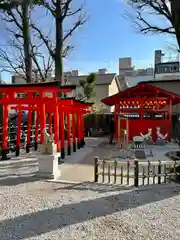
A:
148, 135
160, 135
47, 137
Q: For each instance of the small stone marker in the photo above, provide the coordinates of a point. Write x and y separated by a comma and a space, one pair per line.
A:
140, 154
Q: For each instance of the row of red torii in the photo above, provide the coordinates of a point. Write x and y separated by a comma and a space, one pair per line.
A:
43, 99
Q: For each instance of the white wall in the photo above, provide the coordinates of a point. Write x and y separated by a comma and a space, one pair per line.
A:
19, 80
113, 89
132, 81
167, 76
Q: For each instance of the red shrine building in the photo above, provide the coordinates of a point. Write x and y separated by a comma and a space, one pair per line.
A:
141, 108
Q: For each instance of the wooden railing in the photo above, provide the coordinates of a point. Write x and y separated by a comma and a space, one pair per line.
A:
135, 172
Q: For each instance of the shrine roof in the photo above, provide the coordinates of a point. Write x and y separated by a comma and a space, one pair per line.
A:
139, 91
78, 100
88, 104
42, 84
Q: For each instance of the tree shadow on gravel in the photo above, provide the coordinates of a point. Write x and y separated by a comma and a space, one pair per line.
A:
16, 180
41, 222
95, 187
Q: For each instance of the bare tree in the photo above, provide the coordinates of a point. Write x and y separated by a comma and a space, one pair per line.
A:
8, 5
33, 64
61, 10
157, 16
26, 40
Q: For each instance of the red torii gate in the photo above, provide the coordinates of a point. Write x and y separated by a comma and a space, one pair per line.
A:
44, 98
139, 102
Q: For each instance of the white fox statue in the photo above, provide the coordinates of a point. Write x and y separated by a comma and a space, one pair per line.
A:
148, 135
160, 136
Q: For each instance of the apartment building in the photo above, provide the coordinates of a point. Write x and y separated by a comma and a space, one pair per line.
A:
130, 76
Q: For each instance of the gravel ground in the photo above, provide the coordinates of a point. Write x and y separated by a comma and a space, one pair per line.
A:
31, 209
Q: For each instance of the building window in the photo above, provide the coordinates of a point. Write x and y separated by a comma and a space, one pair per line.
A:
175, 69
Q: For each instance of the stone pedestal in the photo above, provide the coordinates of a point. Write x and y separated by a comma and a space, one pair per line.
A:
160, 142
47, 148
48, 166
149, 142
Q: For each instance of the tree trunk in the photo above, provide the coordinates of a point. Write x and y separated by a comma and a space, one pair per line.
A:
175, 9
59, 75
27, 39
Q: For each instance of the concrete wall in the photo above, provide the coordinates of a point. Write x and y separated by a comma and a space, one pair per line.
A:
132, 81
113, 89
101, 91
167, 76
18, 80
79, 90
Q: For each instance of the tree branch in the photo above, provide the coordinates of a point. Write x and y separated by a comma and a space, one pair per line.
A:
15, 58
81, 20
146, 27
44, 39
17, 68
152, 7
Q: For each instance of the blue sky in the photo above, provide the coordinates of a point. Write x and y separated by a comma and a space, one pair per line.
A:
107, 36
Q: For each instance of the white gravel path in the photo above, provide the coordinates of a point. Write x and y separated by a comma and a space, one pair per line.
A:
31, 209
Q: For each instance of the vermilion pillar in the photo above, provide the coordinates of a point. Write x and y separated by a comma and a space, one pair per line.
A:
56, 127
82, 129
170, 116
68, 133
50, 123
62, 134
18, 139
74, 130
5, 134
115, 122
42, 122
29, 122
79, 130
36, 131
170, 110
